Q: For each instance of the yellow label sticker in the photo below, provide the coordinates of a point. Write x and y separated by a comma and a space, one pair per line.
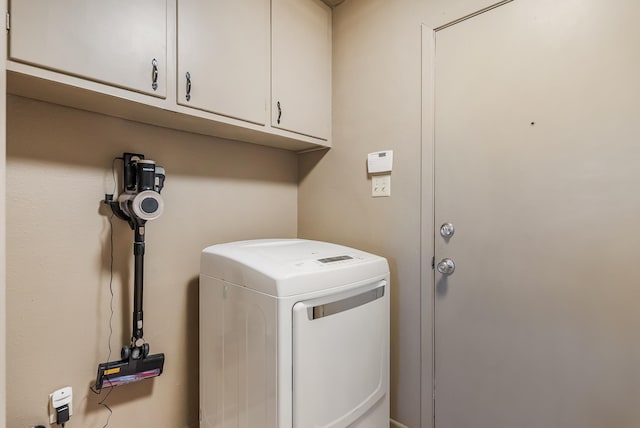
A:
112, 371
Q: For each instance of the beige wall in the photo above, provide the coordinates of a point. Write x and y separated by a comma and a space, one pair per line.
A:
58, 169
376, 106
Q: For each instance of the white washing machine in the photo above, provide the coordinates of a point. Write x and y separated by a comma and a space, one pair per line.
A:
293, 334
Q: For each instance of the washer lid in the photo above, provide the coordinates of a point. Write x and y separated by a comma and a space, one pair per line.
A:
287, 267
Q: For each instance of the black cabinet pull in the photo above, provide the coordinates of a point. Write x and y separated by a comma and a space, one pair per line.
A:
154, 74
279, 112
188, 76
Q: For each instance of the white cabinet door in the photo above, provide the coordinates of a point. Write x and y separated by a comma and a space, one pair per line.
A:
115, 42
301, 67
224, 47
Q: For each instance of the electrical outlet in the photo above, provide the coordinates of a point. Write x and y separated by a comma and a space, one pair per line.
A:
380, 186
61, 397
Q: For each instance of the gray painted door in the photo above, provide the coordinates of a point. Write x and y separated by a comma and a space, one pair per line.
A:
537, 166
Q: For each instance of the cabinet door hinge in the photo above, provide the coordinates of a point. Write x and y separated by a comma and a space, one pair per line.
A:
8, 21
433, 262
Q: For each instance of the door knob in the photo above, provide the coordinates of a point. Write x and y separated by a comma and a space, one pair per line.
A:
446, 266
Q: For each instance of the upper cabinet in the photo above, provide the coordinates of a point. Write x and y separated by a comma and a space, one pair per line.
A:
223, 57
249, 70
301, 67
118, 42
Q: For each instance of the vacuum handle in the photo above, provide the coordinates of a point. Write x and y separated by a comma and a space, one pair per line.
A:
138, 255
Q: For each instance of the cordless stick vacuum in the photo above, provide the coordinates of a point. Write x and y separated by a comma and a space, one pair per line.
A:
139, 202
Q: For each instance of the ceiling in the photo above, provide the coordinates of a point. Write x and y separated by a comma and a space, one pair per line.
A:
333, 3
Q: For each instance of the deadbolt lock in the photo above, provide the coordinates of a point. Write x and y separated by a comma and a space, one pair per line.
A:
447, 230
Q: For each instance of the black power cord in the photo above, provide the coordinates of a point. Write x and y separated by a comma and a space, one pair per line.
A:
103, 401
110, 218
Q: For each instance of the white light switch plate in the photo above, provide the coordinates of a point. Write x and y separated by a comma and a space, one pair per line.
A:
380, 186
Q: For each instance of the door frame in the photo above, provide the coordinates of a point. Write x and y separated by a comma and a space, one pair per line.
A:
427, 218
3, 270
427, 242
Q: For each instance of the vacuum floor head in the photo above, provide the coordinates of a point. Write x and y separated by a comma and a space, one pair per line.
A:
116, 373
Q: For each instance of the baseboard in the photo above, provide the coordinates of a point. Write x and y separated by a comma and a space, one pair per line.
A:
396, 424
